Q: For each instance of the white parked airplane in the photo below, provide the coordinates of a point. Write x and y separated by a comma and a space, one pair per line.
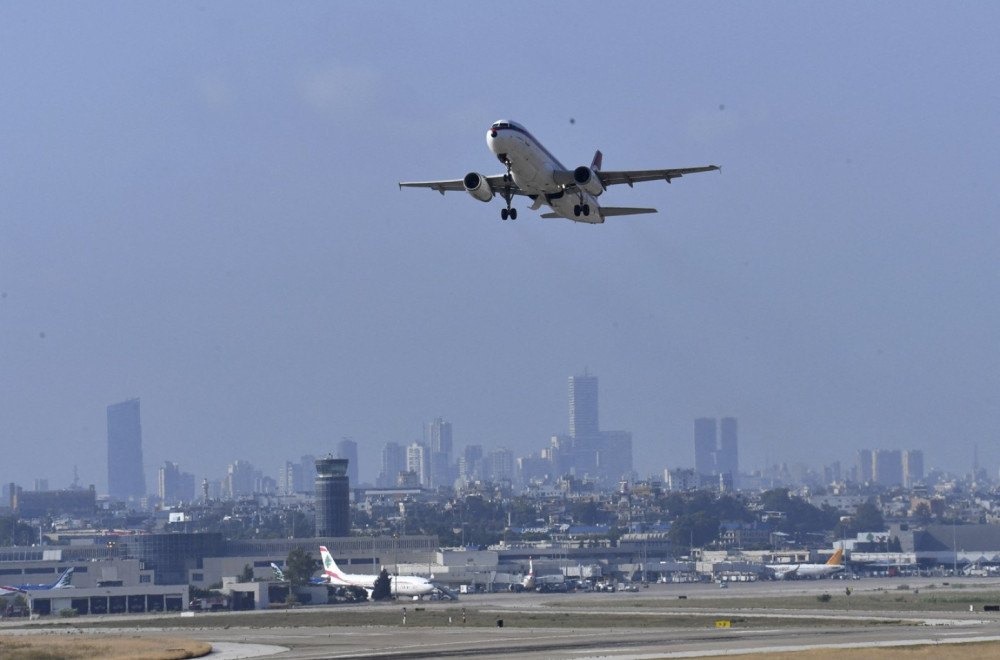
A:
832, 565
402, 585
529, 580
535, 173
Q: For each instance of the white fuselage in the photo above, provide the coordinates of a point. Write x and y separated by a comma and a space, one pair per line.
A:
401, 585
783, 571
532, 168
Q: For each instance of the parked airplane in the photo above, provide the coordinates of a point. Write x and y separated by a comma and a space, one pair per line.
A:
62, 583
529, 580
535, 173
832, 565
402, 585
278, 575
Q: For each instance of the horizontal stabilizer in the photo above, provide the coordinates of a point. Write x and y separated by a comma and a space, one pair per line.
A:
607, 211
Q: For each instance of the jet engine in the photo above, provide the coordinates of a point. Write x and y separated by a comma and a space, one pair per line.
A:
587, 180
477, 186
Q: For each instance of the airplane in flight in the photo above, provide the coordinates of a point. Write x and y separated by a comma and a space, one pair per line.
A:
402, 585
62, 583
832, 565
534, 172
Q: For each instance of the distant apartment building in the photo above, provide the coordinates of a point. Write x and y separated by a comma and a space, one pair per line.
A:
348, 449
75, 502
716, 447
393, 462
126, 479
583, 406
913, 467
174, 486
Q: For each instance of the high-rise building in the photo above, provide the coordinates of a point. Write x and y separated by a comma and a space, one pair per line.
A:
913, 467
126, 478
439, 440
417, 463
333, 497
614, 455
727, 457
866, 462
239, 479
393, 462
887, 467
705, 434
439, 436
583, 419
348, 449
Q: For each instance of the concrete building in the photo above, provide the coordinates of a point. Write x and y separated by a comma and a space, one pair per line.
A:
348, 449
126, 479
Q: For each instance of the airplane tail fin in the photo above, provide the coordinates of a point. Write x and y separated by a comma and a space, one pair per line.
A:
835, 559
65, 580
329, 565
278, 574
596, 163
531, 567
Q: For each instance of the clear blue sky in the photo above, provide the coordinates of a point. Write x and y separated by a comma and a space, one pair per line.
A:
198, 207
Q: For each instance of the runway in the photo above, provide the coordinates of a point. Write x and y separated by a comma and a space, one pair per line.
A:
663, 621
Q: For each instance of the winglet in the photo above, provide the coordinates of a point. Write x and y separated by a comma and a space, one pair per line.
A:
596, 163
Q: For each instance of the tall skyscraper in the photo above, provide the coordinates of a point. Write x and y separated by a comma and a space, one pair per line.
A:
583, 419
866, 462
704, 446
126, 478
913, 467
333, 497
393, 462
417, 463
348, 449
727, 457
439, 440
716, 449
887, 468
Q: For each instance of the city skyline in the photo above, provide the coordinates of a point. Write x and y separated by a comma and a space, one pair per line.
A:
223, 234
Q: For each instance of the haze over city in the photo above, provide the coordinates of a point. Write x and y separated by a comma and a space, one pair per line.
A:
198, 207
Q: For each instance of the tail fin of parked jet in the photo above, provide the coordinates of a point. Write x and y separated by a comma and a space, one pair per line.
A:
329, 565
64, 580
834, 560
277, 573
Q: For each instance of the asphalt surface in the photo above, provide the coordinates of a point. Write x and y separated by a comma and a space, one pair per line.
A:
453, 640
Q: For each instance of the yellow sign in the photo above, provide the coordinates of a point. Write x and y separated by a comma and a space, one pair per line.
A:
722, 624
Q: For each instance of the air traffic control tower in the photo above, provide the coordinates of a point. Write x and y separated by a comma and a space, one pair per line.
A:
333, 497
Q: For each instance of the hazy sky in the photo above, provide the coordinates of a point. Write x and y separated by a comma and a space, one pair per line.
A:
198, 207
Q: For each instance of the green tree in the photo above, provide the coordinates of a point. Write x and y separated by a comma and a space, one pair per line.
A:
382, 587
247, 574
299, 566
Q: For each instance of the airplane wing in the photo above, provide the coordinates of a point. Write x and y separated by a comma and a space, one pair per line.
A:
610, 177
496, 182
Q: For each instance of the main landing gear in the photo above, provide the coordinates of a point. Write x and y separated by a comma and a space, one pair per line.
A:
581, 209
508, 195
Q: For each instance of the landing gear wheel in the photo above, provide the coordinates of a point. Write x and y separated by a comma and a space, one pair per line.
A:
586, 209
576, 210
504, 213
513, 214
